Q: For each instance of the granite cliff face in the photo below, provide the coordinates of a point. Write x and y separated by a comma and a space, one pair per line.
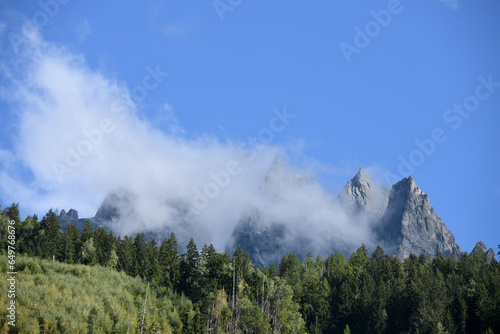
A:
265, 243
362, 196
410, 225
264, 238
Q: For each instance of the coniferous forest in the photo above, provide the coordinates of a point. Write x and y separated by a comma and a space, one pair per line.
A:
92, 281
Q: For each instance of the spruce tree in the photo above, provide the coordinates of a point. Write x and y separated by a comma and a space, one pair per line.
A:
88, 232
72, 244
189, 270
51, 237
169, 260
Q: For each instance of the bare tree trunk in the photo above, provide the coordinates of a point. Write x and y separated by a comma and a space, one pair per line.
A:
234, 280
144, 312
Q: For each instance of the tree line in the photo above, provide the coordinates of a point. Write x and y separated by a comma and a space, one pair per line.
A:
367, 293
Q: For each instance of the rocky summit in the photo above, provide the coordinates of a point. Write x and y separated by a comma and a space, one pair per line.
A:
489, 254
362, 196
410, 225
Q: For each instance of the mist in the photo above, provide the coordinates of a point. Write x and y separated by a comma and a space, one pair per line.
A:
80, 134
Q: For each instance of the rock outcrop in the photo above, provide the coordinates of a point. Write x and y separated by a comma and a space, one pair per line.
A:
482, 249
410, 225
66, 218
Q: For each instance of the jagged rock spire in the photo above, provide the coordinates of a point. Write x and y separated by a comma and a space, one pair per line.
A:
410, 225
362, 195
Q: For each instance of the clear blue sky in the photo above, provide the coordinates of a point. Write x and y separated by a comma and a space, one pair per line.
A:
229, 67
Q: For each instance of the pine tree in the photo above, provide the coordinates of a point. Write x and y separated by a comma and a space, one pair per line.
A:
51, 237
13, 213
360, 257
125, 253
291, 270
102, 245
169, 259
88, 232
141, 262
189, 270
72, 244
26, 236
214, 268
153, 273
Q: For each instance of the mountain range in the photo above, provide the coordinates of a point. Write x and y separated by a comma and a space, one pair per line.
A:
401, 219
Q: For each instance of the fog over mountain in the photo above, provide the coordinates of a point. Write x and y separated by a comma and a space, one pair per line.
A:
296, 215
301, 214
82, 136
402, 221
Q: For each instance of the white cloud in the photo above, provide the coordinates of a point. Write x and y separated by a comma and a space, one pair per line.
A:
63, 108
80, 143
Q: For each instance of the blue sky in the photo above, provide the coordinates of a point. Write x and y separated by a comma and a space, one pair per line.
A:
229, 66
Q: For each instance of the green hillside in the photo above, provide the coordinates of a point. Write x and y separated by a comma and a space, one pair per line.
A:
67, 298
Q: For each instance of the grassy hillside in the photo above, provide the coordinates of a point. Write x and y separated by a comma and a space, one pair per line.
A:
58, 297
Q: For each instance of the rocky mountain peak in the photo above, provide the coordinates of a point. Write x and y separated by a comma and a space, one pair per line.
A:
407, 187
115, 205
481, 247
362, 177
410, 225
361, 195
72, 213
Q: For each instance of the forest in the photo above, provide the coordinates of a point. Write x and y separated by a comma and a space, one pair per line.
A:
92, 281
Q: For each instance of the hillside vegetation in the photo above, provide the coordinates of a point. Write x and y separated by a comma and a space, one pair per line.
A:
57, 297
95, 282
